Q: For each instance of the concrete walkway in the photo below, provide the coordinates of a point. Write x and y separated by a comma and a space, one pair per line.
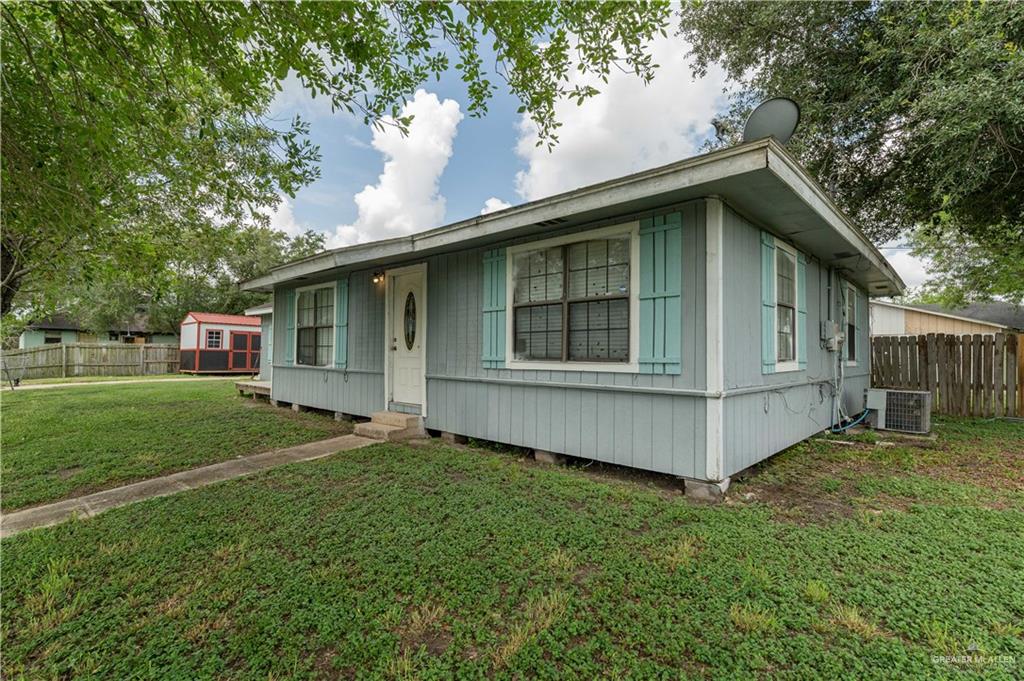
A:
92, 504
77, 384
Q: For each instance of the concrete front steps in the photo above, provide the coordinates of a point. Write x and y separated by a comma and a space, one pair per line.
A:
391, 426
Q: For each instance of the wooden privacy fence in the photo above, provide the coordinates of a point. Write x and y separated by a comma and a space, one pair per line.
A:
62, 360
969, 375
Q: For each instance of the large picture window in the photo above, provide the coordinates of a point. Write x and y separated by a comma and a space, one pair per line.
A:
785, 305
314, 326
571, 302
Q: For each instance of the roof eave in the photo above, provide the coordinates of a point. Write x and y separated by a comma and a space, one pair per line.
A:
708, 167
689, 175
789, 171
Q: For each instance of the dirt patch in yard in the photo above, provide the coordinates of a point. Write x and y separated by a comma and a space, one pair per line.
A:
826, 479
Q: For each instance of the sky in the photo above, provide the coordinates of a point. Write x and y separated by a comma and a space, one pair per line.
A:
377, 184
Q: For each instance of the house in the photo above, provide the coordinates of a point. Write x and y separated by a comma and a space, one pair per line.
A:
891, 319
265, 312
687, 320
63, 329
219, 343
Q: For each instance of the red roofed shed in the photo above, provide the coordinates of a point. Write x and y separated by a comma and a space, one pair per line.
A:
214, 343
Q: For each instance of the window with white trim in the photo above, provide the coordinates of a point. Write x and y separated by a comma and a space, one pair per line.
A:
785, 304
571, 301
214, 337
850, 311
314, 326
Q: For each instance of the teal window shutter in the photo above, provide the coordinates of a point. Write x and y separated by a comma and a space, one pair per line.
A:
289, 336
341, 323
493, 309
767, 303
661, 286
801, 311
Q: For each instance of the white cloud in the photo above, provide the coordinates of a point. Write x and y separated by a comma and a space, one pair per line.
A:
293, 98
627, 128
494, 204
406, 198
283, 219
913, 270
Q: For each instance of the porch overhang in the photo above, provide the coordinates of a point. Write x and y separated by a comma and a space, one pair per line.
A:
759, 179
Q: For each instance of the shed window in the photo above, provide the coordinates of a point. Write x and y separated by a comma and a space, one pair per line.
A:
315, 326
571, 302
214, 338
785, 305
51, 337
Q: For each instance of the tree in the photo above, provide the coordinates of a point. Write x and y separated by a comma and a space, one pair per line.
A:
198, 278
910, 114
128, 125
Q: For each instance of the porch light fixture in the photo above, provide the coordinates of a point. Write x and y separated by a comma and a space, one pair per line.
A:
378, 277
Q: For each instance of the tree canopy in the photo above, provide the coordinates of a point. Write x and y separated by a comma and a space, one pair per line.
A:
128, 127
911, 117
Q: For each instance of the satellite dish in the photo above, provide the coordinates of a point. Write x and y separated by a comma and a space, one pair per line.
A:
776, 118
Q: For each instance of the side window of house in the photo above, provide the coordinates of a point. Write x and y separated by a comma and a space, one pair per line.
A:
851, 323
571, 302
314, 326
213, 339
785, 304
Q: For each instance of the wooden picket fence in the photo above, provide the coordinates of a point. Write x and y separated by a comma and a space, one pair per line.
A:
63, 360
969, 375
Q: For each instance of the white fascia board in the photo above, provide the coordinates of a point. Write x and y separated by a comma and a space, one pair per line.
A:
691, 172
789, 171
260, 310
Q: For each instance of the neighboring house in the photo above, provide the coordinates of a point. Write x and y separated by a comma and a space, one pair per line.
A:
63, 329
219, 343
266, 314
670, 320
890, 319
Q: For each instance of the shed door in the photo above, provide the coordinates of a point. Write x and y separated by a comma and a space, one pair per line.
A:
245, 350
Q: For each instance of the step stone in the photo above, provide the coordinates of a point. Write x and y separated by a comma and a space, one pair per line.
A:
382, 431
394, 418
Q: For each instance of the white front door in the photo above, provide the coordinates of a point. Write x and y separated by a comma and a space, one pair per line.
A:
408, 335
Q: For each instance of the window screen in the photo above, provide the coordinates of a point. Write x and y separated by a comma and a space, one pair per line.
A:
571, 303
785, 302
315, 326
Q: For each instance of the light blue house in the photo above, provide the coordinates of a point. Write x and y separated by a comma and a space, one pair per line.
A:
693, 319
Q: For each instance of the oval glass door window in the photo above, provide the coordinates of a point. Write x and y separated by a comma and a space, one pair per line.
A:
410, 320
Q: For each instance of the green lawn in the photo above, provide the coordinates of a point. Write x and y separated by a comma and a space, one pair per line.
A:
833, 561
60, 443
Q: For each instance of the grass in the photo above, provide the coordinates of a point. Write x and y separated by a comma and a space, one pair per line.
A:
435, 562
62, 443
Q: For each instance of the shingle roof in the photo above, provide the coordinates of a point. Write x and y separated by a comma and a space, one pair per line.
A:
996, 312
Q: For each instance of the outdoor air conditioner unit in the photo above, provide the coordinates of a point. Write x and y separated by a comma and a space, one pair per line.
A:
908, 411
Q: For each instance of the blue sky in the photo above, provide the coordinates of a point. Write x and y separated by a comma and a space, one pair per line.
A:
376, 185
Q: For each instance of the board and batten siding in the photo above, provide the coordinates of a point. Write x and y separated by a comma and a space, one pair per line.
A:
629, 419
357, 389
774, 411
655, 422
